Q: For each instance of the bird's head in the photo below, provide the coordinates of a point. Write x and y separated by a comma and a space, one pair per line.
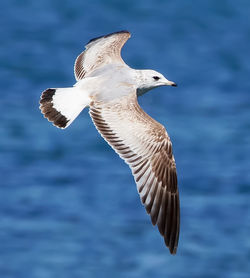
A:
149, 79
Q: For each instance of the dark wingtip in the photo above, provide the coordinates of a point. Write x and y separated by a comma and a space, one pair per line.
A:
108, 35
49, 112
172, 249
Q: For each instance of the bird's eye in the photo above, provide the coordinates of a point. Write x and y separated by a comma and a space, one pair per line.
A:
156, 78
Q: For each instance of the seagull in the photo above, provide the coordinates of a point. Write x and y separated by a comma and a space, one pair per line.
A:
109, 87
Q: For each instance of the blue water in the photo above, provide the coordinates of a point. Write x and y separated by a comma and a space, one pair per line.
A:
68, 205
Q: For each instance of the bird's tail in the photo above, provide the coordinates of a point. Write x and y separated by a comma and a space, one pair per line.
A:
62, 105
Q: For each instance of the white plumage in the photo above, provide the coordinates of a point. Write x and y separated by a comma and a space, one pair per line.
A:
110, 88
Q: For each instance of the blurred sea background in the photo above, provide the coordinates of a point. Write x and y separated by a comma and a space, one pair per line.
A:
68, 204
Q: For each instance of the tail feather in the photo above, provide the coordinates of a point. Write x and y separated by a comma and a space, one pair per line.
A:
62, 105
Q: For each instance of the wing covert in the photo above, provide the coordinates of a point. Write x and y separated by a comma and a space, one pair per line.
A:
145, 146
100, 51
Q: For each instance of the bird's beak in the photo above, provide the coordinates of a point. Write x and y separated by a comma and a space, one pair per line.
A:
170, 83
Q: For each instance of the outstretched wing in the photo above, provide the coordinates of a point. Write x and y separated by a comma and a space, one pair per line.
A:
145, 146
100, 51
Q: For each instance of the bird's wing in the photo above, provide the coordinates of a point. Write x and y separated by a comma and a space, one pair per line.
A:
100, 51
145, 146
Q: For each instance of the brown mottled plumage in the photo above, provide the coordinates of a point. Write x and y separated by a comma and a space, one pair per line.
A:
145, 146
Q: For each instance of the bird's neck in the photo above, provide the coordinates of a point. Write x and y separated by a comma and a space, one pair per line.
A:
142, 83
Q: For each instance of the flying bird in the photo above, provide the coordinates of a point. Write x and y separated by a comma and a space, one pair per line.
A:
109, 87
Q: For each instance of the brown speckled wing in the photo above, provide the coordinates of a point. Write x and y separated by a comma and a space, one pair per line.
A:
100, 51
145, 146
